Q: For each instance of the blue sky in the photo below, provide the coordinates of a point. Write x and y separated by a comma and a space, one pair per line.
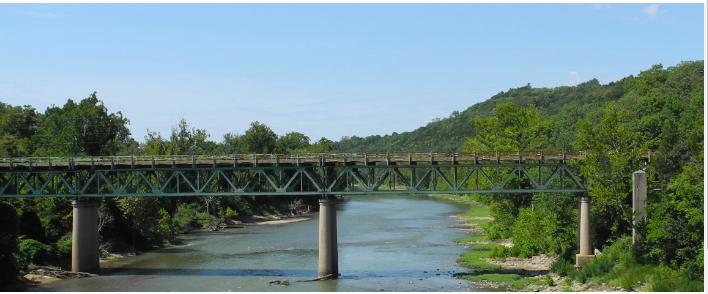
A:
325, 70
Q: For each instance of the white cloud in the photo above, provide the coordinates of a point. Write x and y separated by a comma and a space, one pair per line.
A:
601, 6
652, 10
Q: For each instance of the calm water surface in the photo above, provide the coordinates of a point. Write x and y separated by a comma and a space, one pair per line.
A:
394, 243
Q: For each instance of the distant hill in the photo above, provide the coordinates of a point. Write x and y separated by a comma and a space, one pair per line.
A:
565, 104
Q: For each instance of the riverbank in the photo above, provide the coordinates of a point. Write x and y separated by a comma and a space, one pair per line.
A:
510, 274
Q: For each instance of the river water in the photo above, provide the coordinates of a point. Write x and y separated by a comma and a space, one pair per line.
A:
390, 243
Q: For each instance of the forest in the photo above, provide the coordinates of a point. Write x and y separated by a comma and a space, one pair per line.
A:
659, 109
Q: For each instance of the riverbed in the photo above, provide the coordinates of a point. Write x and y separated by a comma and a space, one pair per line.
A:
386, 243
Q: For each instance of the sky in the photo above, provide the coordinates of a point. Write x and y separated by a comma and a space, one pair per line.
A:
324, 70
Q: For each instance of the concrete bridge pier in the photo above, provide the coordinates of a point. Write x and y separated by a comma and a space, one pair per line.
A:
328, 259
586, 250
84, 243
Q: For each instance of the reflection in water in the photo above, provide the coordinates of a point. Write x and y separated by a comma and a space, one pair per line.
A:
391, 243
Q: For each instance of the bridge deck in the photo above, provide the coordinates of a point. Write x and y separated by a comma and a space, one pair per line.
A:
124, 162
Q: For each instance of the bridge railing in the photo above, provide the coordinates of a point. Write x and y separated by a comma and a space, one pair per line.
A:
380, 156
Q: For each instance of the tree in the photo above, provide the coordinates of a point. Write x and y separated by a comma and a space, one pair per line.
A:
183, 141
292, 142
232, 144
17, 126
322, 146
186, 141
86, 128
142, 213
613, 155
675, 227
511, 129
259, 138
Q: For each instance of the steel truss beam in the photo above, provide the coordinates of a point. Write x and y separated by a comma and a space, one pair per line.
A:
322, 179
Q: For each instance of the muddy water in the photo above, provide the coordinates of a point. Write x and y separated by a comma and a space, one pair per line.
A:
391, 243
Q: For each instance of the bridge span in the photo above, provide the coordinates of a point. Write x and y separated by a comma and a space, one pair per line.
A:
323, 174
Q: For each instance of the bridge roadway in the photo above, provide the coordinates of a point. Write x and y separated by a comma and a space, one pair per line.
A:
324, 174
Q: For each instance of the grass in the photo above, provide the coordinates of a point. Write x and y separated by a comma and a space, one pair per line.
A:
477, 211
485, 247
473, 260
513, 280
472, 239
479, 222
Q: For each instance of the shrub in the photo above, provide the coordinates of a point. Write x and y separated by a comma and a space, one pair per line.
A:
36, 252
64, 246
502, 252
549, 280
229, 213
562, 267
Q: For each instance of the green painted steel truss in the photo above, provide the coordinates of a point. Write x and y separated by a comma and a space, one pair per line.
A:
323, 179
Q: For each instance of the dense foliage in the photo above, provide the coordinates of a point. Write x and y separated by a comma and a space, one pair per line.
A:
659, 109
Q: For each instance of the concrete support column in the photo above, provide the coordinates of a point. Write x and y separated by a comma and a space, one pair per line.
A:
586, 251
328, 259
84, 242
639, 202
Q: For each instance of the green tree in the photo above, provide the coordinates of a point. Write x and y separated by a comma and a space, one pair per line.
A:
142, 213
511, 128
292, 142
184, 140
675, 228
232, 144
86, 128
259, 138
17, 126
322, 146
613, 155
187, 141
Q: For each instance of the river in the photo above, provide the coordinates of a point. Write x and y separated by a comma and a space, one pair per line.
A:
386, 243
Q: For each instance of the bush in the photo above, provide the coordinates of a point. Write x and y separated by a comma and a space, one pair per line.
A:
36, 252
502, 252
229, 213
549, 280
562, 267
64, 246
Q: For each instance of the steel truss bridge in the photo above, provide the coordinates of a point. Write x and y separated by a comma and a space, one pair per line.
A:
324, 174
